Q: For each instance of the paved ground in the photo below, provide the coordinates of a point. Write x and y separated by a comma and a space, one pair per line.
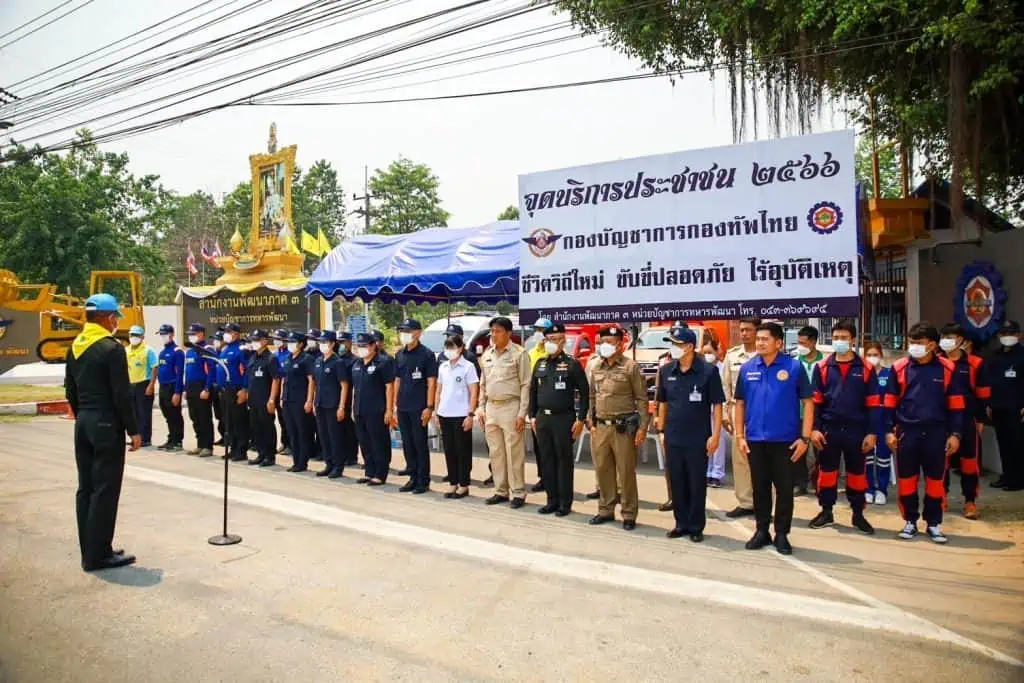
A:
334, 581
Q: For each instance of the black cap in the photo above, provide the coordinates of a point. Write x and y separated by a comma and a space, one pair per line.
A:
232, 327
259, 334
378, 336
344, 336
196, 327
219, 335
281, 334
682, 335
501, 321
1009, 327
611, 331
327, 336
365, 338
313, 333
166, 329
453, 330
556, 328
410, 325
296, 337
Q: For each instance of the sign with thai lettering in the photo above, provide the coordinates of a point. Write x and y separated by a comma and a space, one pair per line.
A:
766, 229
19, 338
261, 308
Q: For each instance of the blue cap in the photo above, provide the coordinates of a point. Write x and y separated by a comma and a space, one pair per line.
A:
365, 338
344, 336
281, 334
219, 335
196, 327
296, 337
166, 329
258, 334
327, 336
682, 335
378, 336
542, 324
232, 327
313, 333
102, 303
136, 331
555, 328
410, 325
453, 330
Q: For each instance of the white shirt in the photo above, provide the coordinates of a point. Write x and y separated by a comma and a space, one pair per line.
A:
455, 380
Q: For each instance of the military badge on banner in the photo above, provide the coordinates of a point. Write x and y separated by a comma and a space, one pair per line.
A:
979, 300
541, 242
825, 218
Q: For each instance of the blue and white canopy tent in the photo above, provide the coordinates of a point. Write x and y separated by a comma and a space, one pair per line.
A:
438, 265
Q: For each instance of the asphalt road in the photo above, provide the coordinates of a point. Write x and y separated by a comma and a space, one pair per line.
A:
335, 581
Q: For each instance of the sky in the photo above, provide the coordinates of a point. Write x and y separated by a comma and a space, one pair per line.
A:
476, 146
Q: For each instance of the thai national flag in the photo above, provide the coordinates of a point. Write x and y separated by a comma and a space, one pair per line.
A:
217, 253
208, 256
190, 262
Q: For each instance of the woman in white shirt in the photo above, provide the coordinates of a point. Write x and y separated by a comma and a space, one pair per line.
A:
457, 389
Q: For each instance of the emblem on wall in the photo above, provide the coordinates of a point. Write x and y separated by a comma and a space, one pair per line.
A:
979, 300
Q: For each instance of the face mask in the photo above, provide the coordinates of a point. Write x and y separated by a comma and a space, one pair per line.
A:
135, 341
841, 347
538, 335
325, 347
363, 352
551, 348
875, 360
802, 350
1009, 340
293, 347
228, 338
676, 352
451, 354
165, 338
217, 343
947, 344
710, 358
192, 338
278, 344
258, 346
917, 350
405, 338
606, 350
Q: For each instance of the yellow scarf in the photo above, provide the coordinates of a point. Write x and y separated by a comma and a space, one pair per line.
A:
89, 335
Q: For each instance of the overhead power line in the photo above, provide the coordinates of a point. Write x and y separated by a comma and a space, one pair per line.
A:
51, 21
35, 19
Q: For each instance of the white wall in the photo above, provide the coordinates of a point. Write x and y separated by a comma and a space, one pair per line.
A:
155, 316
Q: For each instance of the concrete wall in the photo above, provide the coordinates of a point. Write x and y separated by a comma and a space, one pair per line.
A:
156, 316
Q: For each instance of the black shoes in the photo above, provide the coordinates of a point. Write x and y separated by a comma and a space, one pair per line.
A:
489, 481
822, 519
496, 499
407, 487
697, 537
517, 503
738, 512
862, 524
547, 509
594, 495
268, 463
113, 562
363, 480
256, 461
562, 512
760, 539
629, 524
404, 473
324, 472
296, 468
997, 484
419, 490
538, 487
598, 519
335, 474
782, 545
676, 533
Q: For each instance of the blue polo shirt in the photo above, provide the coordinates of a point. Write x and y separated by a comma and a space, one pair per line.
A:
294, 371
369, 382
689, 397
198, 369
413, 368
328, 373
235, 359
170, 368
772, 395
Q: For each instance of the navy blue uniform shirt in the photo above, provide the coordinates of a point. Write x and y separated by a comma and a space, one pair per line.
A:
925, 395
171, 366
689, 397
771, 395
413, 368
294, 373
198, 369
1006, 378
345, 361
846, 393
260, 373
369, 382
328, 373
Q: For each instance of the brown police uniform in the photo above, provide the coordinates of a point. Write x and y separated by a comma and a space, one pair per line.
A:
505, 397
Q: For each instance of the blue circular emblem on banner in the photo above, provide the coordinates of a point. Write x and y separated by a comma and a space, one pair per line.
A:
979, 300
825, 218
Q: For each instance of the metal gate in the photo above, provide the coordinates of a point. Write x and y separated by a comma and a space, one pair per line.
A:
883, 304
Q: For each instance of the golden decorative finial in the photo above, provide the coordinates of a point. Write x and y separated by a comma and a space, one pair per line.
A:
237, 242
272, 142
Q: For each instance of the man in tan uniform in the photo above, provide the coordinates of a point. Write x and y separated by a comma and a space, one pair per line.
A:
618, 415
504, 402
734, 358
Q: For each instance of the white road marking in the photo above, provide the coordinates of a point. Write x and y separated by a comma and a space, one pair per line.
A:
879, 616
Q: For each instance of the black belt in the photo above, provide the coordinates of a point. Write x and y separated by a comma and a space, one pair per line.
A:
608, 422
547, 411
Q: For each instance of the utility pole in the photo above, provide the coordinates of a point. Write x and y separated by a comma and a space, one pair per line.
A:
364, 211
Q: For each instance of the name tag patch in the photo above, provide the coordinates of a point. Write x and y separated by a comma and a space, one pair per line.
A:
258, 373
695, 396
753, 376
559, 386
372, 369
416, 374
1011, 373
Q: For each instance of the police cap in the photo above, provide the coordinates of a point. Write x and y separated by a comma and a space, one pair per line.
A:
344, 336
232, 327
410, 325
327, 336
259, 334
454, 330
219, 335
196, 327
366, 338
611, 331
682, 335
281, 334
1009, 327
166, 329
378, 336
555, 328
297, 337
313, 333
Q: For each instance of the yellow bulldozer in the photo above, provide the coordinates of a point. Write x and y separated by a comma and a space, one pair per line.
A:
62, 316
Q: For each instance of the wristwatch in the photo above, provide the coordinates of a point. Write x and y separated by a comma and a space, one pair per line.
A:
806, 440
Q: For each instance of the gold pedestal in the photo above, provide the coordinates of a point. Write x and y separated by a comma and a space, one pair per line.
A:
272, 266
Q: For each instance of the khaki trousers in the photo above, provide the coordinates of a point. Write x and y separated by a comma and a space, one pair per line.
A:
741, 477
615, 469
507, 448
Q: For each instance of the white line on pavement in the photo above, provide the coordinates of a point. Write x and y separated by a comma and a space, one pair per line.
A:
878, 617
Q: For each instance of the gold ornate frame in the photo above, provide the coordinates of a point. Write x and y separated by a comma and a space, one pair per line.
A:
258, 163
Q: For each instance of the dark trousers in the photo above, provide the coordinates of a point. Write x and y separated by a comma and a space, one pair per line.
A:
968, 459
842, 443
687, 470
99, 455
262, 431
349, 442
770, 466
553, 441
375, 440
236, 423
316, 452
415, 446
330, 432
538, 455
172, 415
200, 412
458, 449
1010, 437
281, 422
142, 406
299, 434
921, 449
218, 410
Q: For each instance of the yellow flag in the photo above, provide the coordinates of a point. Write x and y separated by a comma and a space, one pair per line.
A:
310, 244
290, 245
325, 246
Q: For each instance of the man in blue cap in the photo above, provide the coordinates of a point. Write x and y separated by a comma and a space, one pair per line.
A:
263, 382
313, 355
690, 399
142, 362
235, 403
373, 382
100, 395
415, 379
349, 442
328, 374
281, 351
170, 372
297, 400
219, 379
197, 385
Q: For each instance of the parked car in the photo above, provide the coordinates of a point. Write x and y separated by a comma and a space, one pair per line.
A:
476, 334
653, 343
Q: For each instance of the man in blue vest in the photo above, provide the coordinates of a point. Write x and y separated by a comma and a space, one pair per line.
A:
235, 406
198, 385
170, 373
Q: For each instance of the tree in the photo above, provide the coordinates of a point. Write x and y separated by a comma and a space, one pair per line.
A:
318, 201
888, 170
943, 78
405, 199
511, 213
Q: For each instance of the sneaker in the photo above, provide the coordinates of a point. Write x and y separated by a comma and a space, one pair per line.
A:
822, 520
715, 483
192, 451
909, 531
869, 497
935, 533
862, 524
205, 453
970, 510
879, 498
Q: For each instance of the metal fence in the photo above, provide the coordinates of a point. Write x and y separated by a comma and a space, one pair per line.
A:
883, 304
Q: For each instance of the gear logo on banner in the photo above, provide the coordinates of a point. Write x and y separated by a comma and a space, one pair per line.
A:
825, 218
542, 242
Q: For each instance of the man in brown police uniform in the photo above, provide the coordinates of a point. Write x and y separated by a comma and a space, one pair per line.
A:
618, 417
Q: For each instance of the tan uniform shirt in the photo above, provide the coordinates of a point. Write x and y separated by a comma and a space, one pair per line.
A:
504, 376
618, 388
734, 359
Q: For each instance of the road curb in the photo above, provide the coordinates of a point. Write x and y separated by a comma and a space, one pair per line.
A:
60, 408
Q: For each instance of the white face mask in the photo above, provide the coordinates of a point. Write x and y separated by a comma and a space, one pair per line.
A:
710, 358
947, 344
229, 337
363, 352
538, 335
293, 347
217, 343
325, 347
606, 350
551, 348
1009, 340
135, 341
278, 344
676, 352
875, 360
451, 354
802, 350
405, 338
193, 338
165, 338
841, 346
917, 350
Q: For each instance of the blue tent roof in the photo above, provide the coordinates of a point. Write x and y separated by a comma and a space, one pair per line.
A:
476, 265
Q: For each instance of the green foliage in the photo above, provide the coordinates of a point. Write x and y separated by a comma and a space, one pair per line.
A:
318, 201
888, 169
405, 199
511, 213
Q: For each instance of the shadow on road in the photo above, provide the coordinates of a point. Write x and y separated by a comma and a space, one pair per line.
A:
135, 577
